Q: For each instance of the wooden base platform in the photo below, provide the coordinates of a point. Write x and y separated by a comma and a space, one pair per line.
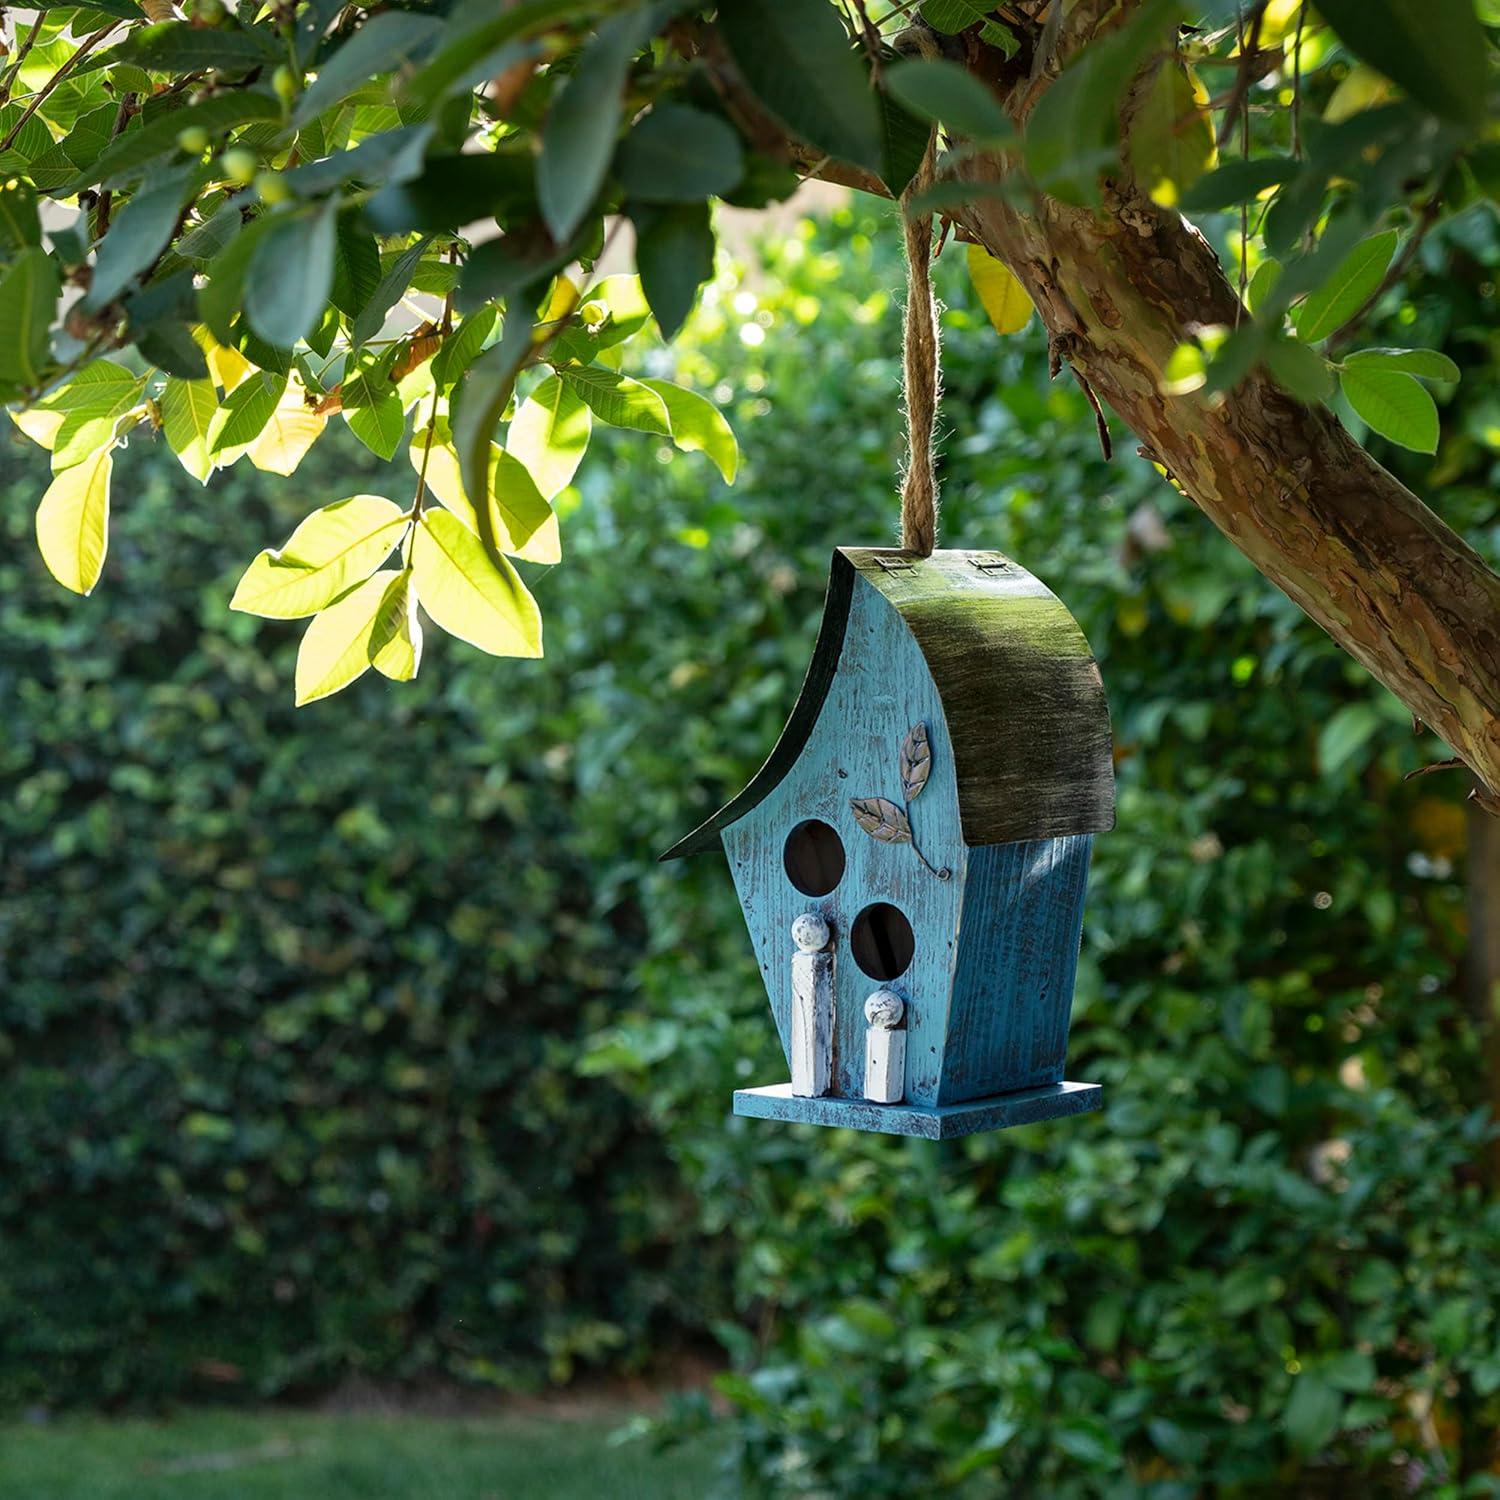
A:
937, 1123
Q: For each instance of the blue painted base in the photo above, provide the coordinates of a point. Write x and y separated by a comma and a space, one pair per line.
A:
940, 1123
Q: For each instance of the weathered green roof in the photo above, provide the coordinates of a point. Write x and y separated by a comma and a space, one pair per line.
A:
1020, 690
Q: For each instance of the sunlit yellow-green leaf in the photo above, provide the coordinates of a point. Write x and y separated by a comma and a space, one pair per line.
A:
332, 549
398, 634
550, 434
291, 430
1171, 143
521, 521
698, 426
1003, 297
470, 593
1186, 371
362, 629
187, 409
72, 523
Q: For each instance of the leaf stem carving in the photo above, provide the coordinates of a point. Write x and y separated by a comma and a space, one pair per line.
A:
890, 822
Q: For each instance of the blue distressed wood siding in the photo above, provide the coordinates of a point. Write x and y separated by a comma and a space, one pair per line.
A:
1018, 957
882, 687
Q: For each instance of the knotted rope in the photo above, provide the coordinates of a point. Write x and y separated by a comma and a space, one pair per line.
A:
921, 374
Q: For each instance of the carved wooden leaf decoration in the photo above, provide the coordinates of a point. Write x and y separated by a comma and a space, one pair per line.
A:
916, 761
881, 819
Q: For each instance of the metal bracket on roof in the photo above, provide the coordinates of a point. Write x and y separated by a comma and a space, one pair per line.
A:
992, 563
899, 563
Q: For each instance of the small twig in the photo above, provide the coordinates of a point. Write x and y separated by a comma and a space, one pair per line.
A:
1454, 764
1248, 43
86, 46
14, 70
1105, 446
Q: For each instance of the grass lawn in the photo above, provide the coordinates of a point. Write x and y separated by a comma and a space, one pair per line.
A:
287, 1455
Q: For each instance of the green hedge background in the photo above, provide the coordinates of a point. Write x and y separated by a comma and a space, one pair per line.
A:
371, 1039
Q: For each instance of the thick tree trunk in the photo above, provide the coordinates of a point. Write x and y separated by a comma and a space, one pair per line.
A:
1118, 291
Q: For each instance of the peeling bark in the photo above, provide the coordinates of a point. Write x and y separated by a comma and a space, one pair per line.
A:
1399, 590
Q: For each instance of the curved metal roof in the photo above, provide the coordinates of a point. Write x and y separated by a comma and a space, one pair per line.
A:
1021, 694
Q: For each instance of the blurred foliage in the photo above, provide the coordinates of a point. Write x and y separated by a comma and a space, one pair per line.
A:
374, 1039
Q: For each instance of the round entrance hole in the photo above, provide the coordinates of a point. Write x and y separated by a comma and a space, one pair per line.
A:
813, 857
882, 942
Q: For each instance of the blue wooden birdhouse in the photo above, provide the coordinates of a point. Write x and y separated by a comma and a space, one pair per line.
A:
912, 857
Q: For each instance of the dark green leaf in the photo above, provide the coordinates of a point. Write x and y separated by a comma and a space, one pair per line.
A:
246, 410
579, 136
462, 346
798, 60
678, 154
1299, 370
1429, 364
385, 41
171, 347
455, 190
384, 160
178, 47
1435, 50
380, 425
291, 275
1313, 1413
949, 95
953, 16
130, 154
905, 138
1236, 182
498, 268
220, 300
356, 268
20, 225
674, 254
388, 293
140, 232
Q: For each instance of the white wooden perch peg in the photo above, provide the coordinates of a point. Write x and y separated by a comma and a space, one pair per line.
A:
812, 1006
885, 1048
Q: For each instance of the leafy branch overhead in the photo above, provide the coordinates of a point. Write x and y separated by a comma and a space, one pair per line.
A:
240, 224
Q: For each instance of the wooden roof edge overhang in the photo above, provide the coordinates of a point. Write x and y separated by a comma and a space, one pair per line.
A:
1022, 697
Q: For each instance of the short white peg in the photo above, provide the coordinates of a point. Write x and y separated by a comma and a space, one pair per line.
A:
812, 1006
885, 1047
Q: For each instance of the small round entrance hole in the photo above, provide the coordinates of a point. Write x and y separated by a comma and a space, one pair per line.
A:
882, 941
814, 858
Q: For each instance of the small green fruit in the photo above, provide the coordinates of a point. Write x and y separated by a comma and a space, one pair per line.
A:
208, 12
285, 82
193, 140
272, 188
240, 165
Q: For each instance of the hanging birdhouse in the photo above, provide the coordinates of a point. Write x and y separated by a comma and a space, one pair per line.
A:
912, 857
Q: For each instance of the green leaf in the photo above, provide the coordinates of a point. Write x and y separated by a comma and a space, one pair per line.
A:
1347, 287
384, 42
397, 637
1344, 735
674, 252
1396, 405
171, 347
245, 411
799, 62
549, 434
1238, 181
1299, 370
92, 404
519, 519
1171, 143
470, 592
677, 154
578, 138
1436, 50
72, 523
356, 267
128, 155
953, 16
461, 347
220, 301
1071, 134
949, 95
904, 137
291, 274
140, 232
28, 297
1429, 364
379, 425
698, 426
618, 400
187, 410
367, 627
20, 224
332, 549
480, 401
1262, 284
180, 47
388, 293
1313, 1413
